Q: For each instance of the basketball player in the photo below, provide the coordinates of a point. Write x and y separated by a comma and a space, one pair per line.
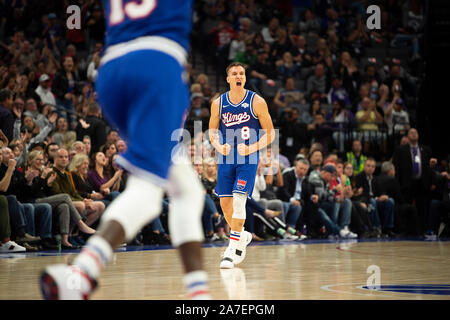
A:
143, 92
237, 118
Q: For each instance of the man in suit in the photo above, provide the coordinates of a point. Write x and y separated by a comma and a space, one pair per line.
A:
407, 219
294, 192
379, 202
414, 174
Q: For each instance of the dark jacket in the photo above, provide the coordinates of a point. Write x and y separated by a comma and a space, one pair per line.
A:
390, 186
96, 130
361, 181
60, 84
403, 163
7, 119
287, 191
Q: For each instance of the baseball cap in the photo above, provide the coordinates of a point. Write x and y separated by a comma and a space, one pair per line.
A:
52, 16
329, 168
44, 77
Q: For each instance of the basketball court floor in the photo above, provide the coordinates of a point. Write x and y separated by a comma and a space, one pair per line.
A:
331, 270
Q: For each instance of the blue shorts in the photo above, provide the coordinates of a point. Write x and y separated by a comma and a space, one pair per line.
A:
143, 95
238, 178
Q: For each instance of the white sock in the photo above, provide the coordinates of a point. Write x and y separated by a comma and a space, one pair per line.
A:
196, 283
94, 256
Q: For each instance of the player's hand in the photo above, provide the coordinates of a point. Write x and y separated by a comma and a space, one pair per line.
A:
225, 150
315, 198
244, 150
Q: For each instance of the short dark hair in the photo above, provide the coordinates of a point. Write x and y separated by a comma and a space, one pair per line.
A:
49, 145
5, 94
236, 64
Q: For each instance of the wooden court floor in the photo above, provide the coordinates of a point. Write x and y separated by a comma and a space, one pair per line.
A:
399, 270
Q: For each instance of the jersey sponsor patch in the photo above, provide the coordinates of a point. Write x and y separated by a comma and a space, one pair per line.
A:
241, 184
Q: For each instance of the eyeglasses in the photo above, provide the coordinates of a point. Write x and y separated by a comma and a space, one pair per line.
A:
39, 160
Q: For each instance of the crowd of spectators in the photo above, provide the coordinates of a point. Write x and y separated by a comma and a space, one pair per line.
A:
343, 98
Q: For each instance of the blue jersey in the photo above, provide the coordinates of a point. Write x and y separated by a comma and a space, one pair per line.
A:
130, 19
238, 123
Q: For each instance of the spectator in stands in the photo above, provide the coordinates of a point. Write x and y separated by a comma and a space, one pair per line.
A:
342, 121
41, 178
397, 118
111, 170
355, 156
44, 91
281, 44
321, 193
368, 120
112, 136
320, 131
108, 149
310, 24
261, 71
77, 147
79, 166
50, 152
381, 205
337, 91
31, 109
63, 184
87, 144
300, 52
61, 129
248, 57
237, 45
289, 95
314, 108
96, 127
361, 221
347, 69
294, 192
358, 38
322, 54
406, 216
38, 216
412, 163
315, 159
7, 116
121, 145
269, 32
65, 88
287, 67
293, 133
108, 186
317, 82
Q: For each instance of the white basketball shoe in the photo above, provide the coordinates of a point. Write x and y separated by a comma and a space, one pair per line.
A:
64, 282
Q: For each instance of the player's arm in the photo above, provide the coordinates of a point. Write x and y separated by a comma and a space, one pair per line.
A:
214, 122
265, 120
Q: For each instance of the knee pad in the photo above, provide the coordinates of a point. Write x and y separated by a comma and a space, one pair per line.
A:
137, 205
187, 200
239, 201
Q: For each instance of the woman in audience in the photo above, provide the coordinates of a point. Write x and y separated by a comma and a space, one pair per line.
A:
62, 205
99, 178
79, 167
